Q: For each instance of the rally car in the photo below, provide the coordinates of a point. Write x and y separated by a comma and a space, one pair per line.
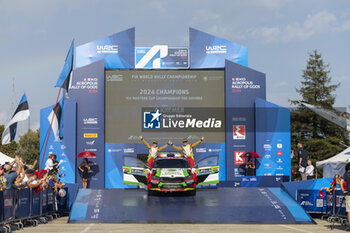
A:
171, 172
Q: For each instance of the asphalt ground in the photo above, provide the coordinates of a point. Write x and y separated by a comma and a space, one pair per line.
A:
61, 225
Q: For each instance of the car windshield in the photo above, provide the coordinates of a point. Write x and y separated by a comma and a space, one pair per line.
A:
171, 163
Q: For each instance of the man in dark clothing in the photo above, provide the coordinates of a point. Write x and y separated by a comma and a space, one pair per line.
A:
346, 177
302, 160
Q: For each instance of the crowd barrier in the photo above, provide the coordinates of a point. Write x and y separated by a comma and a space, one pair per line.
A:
329, 205
27, 207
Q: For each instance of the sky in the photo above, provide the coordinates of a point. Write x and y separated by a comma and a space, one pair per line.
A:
36, 35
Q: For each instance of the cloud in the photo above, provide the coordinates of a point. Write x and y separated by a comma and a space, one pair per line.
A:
316, 24
216, 24
345, 26
268, 34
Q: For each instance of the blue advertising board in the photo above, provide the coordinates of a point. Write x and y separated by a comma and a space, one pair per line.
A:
2, 206
272, 130
117, 50
161, 57
311, 200
208, 51
23, 203
87, 86
65, 149
242, 85
36, 204
9, 204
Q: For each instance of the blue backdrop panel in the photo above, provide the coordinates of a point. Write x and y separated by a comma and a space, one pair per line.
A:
64, 149
208, 51
272, 130
114, 153
263, 181
118, 51
87, 86
292, 187
226, 205
242, 85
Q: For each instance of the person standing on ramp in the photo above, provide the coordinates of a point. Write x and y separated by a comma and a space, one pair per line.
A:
187, 149
153, 150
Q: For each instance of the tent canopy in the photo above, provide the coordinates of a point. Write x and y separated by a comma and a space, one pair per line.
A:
336, 164
4, 158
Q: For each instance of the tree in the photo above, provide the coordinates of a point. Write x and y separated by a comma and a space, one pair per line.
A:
321, 138
9, 149
29, 146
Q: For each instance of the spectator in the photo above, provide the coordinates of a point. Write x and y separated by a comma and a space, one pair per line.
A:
9, 175
309, 170
336, 181
51, 163
250, 167
84, 168
302, 160
346, 178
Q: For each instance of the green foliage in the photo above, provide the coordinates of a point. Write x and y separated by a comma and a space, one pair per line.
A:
8, 149
321, 138
29, 146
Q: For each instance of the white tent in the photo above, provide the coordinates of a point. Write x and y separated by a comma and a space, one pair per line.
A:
336, 164
4, 158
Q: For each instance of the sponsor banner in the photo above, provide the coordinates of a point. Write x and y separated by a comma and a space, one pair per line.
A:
240, 114
117, 50
90, 135
183, 119
311, 200
208, 51
238, 132
65, 149
117, 153
272, 124
239, 157
161, 57
90, 121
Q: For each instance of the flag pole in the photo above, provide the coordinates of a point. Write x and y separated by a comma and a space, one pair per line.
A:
48, 135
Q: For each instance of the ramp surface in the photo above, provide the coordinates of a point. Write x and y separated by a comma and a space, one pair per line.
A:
223, 205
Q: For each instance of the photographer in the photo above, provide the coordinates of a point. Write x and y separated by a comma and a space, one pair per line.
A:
346, 177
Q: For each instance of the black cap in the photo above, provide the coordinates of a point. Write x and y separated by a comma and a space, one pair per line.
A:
185, 140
